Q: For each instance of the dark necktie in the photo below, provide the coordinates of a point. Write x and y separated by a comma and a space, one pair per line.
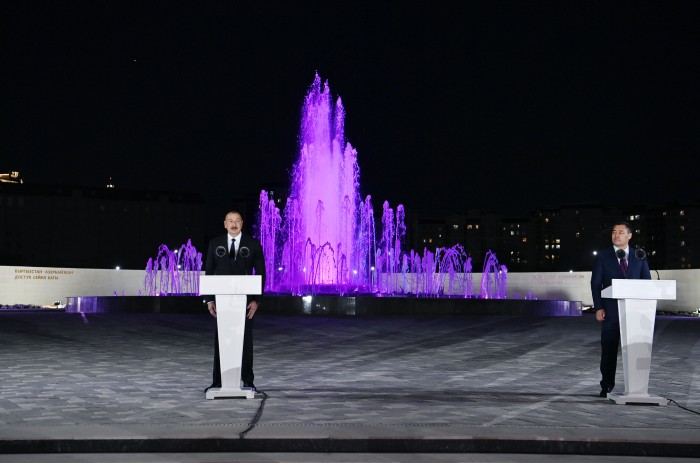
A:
623, 261
232, 251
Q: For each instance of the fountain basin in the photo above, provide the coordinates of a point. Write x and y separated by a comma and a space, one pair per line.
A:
359, 305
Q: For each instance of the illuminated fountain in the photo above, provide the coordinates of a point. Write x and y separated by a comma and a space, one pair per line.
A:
324, 245
494, 278
173, 272
324, 242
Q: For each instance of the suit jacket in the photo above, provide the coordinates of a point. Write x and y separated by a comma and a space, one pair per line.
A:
220, 263
606, 268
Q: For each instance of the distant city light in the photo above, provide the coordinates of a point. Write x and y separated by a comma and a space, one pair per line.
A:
12, 177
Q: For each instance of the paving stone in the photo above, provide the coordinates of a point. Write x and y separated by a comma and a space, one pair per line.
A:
135, 374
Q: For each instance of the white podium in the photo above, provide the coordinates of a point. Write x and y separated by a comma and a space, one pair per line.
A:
637, 309
230, 292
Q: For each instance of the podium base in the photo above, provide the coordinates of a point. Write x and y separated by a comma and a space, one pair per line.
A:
225, 393
629, 399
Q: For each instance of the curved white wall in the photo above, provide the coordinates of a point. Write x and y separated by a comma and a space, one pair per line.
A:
44, 285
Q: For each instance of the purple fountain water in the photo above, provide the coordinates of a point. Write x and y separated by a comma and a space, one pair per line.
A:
494, 278
324, 242
173, 272
322, 247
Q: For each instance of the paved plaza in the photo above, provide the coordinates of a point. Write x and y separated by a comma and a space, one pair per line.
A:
369, 386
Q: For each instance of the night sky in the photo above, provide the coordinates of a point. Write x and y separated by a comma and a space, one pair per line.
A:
508, 106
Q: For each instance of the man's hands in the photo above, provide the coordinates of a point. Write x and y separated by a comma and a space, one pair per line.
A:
252, 308
211, 307
600, 315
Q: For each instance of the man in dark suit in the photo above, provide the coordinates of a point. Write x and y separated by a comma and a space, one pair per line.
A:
613, 262
236, 254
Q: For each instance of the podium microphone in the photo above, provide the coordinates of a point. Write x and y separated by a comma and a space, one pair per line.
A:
244, 252
641, 254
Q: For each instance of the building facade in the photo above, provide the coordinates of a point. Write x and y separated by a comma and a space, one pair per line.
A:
92, 227
86, 227
565, 238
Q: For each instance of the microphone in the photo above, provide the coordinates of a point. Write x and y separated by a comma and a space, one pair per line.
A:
244, 252
620, 254
641, 254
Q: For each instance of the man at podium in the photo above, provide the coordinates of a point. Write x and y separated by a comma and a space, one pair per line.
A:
613, 262
235, 254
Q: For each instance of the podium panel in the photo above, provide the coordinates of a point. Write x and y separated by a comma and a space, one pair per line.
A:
230, 293
641, 289
637, 311
230, 284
